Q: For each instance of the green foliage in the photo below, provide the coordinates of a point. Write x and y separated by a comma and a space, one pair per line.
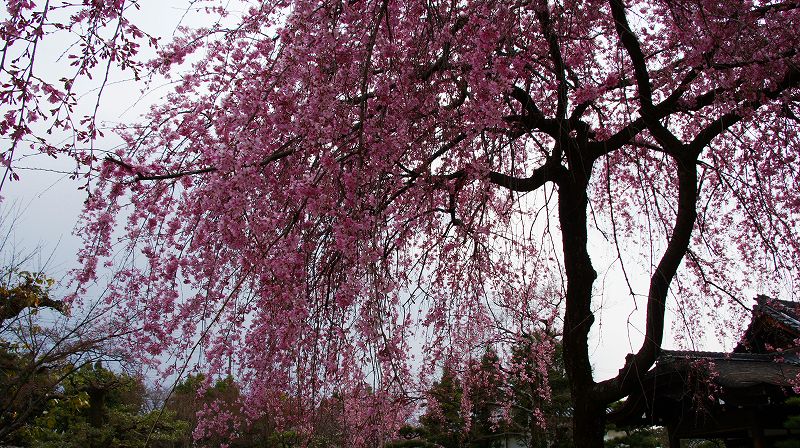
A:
21, 290
487, 426
702, 443
792, 422
122, 430
443, 424
25, 388
101, 408
31, 366
640, 437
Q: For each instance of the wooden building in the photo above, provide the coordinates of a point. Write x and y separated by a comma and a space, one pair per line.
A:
739, 397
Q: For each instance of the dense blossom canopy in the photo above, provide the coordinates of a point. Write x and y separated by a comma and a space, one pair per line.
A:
348, 193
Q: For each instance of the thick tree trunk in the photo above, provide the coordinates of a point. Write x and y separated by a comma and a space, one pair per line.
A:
97, 405
588, 422
589, 411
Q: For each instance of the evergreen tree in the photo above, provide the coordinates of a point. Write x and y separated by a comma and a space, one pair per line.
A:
443, 423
